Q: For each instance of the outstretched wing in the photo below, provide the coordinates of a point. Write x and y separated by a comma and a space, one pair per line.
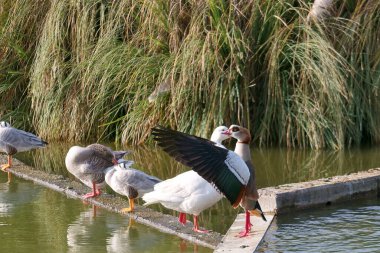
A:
220, 167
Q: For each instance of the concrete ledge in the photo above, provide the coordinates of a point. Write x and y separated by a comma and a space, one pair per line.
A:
165, 223
285, 198
232, 243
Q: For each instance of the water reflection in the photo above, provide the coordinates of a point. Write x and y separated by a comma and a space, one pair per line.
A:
14, 195
131, 239
116, 233
80, 232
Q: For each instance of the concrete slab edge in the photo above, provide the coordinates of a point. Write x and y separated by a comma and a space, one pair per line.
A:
325, 191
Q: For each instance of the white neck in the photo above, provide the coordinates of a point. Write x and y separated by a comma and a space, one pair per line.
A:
242, 149
216, 139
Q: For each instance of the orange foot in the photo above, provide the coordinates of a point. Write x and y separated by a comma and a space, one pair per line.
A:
4, 167
127, 210
130, 208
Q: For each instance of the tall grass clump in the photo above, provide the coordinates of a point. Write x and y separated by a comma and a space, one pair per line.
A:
361, 49
20, 22
294, 77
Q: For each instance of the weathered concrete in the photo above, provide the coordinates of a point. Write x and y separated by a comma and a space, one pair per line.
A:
285, 198
165, 223
232, 243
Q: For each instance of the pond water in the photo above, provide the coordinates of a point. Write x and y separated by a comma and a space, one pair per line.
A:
273, 166
37, 219
346, 227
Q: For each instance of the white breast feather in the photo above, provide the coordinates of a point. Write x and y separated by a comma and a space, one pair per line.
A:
238, 167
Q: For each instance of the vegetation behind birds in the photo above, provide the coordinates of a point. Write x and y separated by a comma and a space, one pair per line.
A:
78, 70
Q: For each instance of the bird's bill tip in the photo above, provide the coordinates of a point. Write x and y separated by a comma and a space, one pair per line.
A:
227, 132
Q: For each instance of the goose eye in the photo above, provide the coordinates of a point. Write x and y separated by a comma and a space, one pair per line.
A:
235, 129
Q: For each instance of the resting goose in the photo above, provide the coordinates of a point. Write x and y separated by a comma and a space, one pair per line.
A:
129, 182
187, 192
250, 198
13, 140
89, 164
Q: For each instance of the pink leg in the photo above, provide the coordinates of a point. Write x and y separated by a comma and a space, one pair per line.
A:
247, 225
92, 194
196, 226
182, 218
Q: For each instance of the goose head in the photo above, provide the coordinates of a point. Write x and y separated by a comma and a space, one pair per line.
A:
104, 152
4, 124
240, 133
220, 134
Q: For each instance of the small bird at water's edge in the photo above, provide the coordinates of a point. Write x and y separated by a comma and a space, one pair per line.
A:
129, 182
13, 140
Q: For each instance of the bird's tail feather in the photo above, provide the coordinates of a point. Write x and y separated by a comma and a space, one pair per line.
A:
258, 211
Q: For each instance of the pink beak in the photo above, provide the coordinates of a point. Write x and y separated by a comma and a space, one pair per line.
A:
227, 132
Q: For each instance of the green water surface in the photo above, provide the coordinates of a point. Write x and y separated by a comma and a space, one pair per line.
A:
346, 227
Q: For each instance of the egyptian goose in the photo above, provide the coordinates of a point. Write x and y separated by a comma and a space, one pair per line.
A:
129, 182
188, 192
89, 163
13, 140
250, 198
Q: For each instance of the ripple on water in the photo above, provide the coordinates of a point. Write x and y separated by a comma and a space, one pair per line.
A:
349, 227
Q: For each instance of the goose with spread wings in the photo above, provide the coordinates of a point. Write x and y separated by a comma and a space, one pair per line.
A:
220, 167
187, 193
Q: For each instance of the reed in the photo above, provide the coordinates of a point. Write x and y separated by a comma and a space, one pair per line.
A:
80, 70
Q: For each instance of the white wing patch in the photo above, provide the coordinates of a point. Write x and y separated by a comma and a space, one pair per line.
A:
220, 145
238, 167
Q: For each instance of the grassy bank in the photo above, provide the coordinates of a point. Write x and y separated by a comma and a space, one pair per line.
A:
79, 70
